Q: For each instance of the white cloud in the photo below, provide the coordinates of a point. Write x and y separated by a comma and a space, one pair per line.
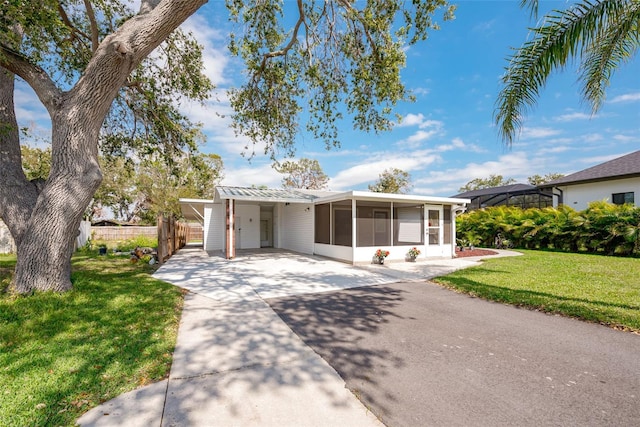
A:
552, 150
538, 132
421, 91
515, 165
627, 97
369, 170
601, 159
624, 138
459, 144
594, 137
427, 130
254, 174
411, 120
29, 110
570, 117
215, 57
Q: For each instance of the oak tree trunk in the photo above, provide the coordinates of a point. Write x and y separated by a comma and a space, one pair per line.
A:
43, 218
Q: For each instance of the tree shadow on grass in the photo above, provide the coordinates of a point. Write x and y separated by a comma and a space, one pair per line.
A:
74, 350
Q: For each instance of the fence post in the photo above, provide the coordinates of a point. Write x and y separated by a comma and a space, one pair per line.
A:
161, 240
172, 236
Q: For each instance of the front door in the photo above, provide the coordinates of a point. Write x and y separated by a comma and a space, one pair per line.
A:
433, 230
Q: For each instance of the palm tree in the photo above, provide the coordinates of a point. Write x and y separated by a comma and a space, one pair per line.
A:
600, 34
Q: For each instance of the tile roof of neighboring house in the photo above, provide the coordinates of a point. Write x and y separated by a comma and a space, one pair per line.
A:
512, 188
269, 194
621, 167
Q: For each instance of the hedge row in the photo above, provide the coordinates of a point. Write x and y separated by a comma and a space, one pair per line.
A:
601, 228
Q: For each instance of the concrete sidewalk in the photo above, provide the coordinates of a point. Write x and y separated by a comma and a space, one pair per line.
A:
236, 363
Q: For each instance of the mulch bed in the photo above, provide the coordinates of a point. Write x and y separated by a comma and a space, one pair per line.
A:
474, 252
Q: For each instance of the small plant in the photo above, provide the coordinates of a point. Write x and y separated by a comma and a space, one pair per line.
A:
413, 252
381, 254
462, 242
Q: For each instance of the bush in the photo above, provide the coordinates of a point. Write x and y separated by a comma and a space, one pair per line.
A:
601, 228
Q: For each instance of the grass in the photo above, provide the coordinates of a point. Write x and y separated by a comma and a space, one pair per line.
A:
594, 288
62, 354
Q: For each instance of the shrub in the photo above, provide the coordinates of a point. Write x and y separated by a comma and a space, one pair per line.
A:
601, 228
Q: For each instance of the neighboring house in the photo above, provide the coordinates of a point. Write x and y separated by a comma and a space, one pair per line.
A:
520, 195
616, 181
348, 226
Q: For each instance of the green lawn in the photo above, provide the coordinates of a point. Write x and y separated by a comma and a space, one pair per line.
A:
590, 287
61, 354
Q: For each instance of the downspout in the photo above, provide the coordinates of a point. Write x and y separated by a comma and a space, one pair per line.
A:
455, 211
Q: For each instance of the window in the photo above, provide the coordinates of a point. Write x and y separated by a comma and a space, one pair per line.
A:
408, 223
622, 198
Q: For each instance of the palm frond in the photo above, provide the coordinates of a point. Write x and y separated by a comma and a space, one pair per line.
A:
564, 34
617, 44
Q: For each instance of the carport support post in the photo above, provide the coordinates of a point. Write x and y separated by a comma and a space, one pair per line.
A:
230, 246
354, 232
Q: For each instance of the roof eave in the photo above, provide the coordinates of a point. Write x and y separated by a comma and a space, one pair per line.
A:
587, 181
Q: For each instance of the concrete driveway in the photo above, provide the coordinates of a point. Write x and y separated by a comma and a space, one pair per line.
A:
266, 273
421, 355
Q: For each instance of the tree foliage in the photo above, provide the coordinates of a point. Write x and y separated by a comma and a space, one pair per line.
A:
335, 52
600, 35
305, 173
392, 180
36, 162
539, 180
139, 192
80, 56
490, 182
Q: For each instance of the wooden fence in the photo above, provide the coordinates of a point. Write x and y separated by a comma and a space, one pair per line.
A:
122, 232
172, 235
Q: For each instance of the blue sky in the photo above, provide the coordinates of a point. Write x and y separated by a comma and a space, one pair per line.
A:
447, 137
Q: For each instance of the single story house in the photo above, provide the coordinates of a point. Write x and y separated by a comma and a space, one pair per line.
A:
521, 195
616, 181
349, 226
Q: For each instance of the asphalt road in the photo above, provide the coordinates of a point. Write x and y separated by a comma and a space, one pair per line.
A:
419, 355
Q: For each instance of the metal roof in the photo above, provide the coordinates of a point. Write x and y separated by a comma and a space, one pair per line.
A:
268, 194
391, 197
621, 167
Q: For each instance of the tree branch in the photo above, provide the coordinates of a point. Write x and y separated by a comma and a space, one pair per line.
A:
68, 23
94, 25
292, 41
36, 77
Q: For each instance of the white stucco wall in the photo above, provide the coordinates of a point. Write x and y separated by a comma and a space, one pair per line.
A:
580, 195
296, 227
214, 227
